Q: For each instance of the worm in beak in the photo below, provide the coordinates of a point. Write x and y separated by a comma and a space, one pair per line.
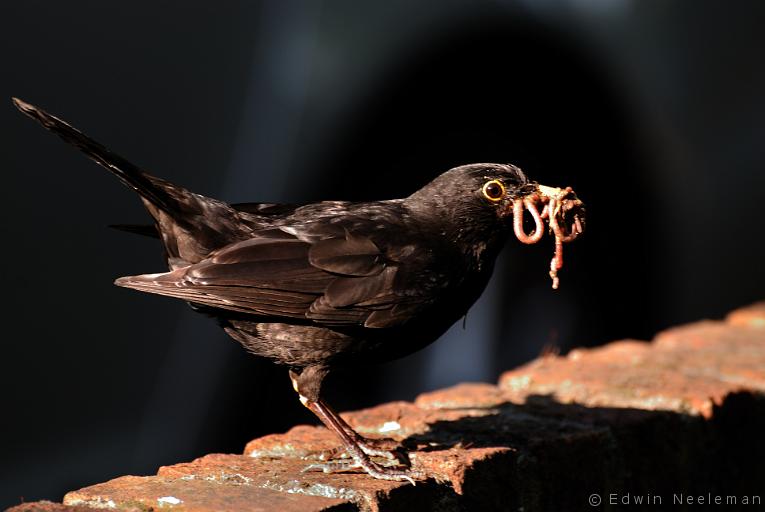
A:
561, 210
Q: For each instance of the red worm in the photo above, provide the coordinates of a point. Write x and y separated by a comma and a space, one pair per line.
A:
519, 205
557, 228
578, 225
554, 212
556, 263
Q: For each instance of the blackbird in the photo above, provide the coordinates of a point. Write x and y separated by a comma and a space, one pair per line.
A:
334, 283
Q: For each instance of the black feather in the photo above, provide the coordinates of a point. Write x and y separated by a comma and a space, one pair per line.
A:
128, 173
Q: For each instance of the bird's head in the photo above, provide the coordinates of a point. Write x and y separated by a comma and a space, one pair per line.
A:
477, 192
479, 205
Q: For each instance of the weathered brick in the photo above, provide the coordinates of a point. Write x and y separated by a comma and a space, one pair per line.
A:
688, 369
470, 449
462, 396
750, 316
198, 494
286, 476
47, 506
682, 412
301, 441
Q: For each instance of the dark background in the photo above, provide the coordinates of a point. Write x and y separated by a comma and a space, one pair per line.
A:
653, 111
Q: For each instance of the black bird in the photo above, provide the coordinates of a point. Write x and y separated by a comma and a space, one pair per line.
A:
336, 283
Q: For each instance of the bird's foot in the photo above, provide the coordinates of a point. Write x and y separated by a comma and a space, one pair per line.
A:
358, 449
375, 447
384, 447
331, 454
371, 467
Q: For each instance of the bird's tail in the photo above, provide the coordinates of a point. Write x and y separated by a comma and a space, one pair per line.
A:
204, 223
125, 171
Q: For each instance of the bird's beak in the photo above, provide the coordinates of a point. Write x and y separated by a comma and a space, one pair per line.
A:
559, 209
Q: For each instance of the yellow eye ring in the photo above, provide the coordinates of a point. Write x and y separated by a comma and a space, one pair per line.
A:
493, 190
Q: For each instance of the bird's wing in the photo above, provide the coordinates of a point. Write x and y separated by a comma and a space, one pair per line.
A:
340, 279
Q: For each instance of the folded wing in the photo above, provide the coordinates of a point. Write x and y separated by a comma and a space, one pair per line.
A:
339, 280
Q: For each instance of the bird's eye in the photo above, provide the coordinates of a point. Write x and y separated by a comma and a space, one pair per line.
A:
493, 190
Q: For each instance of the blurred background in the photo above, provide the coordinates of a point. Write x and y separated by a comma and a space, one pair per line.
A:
653, 111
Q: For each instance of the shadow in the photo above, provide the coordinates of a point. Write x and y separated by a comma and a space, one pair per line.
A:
560, 454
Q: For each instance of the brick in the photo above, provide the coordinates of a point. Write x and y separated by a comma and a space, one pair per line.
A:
750, 316
47, 506
682, 412
688, 369
465, 451
395, 419
301, 441
223, 492
286, 475
462, 396
732, 355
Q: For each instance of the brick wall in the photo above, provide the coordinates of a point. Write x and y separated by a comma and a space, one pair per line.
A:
678, 418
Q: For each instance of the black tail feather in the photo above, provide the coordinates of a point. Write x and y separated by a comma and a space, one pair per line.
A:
128, 173
189, 225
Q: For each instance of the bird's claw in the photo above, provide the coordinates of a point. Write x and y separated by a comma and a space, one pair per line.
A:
372, 468
384, 447
329, 454
334, 466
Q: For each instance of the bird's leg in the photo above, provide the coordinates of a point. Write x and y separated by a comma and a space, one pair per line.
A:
374, 447
385, 447
308, 384
360, 458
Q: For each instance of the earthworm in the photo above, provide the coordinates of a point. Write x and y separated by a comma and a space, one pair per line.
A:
519, 205
554, 212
